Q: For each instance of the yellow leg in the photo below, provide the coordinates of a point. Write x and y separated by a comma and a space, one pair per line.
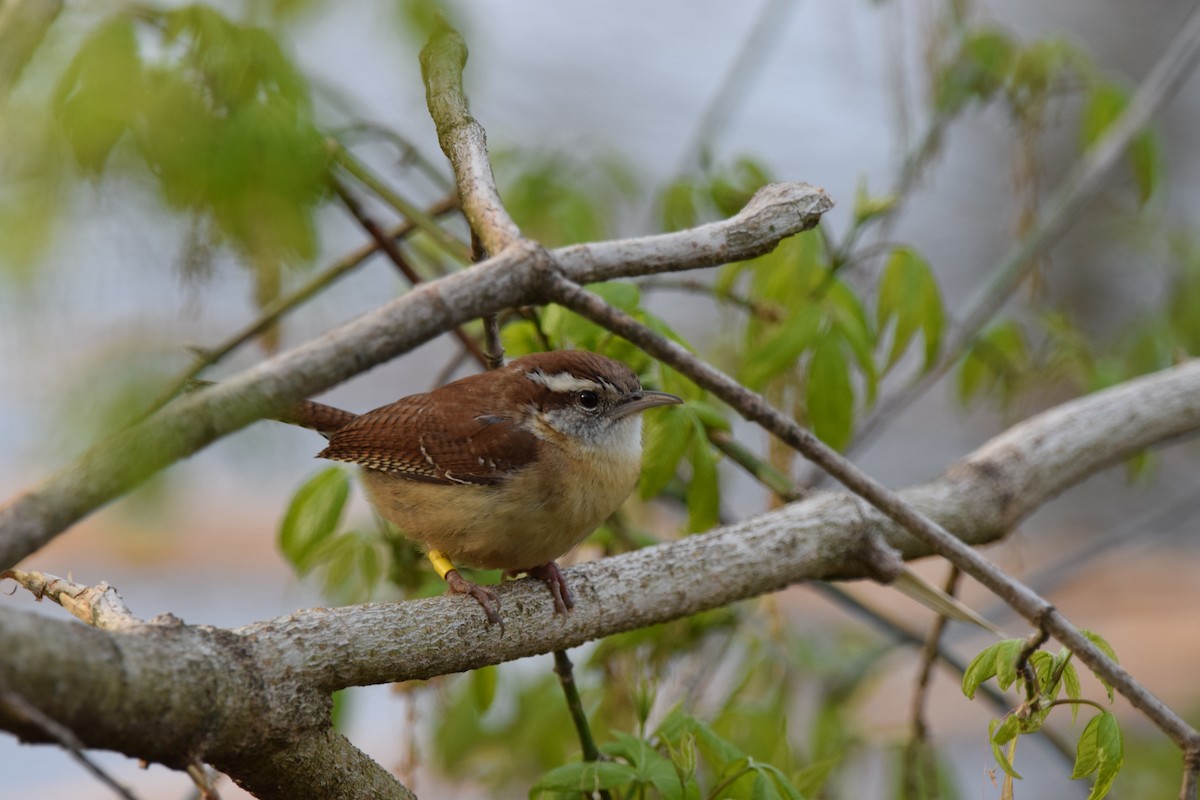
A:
440, 563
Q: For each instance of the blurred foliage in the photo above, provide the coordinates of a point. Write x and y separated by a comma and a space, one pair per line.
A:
558, 199
211, 112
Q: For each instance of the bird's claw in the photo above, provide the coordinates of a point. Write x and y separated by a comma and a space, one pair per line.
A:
550, 575
484, 595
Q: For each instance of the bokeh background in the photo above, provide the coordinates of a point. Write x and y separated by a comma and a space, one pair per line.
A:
833, 94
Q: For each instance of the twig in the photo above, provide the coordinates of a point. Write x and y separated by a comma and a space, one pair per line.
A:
756, 409
22, 709
271, 314
566, 678
906, 636
766, 311
392, 251
463, 140
100, 606
491, 323
916, 768
1191, 775
779, 483
202, 777
413, 213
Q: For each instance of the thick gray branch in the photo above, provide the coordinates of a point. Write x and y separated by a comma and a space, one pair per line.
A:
514, 277
162, 692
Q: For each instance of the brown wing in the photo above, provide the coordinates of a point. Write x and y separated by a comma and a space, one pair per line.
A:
437, 438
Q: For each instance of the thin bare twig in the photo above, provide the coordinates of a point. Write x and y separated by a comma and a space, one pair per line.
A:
22, 709
275, 310
410, 211
566, 678
917, 768
392, 251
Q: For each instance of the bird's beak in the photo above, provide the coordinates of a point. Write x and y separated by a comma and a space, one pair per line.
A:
640, 401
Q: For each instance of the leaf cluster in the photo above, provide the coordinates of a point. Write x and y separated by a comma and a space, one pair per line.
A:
1042, 678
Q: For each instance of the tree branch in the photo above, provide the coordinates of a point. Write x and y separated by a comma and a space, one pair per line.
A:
464, 141
511, 278
909, 516
165, 691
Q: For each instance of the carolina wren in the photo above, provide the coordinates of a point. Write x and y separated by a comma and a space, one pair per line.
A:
507, 469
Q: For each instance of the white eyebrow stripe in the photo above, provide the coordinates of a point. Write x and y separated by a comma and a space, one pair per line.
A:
563, 382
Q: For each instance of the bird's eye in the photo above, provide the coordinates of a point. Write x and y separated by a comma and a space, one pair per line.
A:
589, 399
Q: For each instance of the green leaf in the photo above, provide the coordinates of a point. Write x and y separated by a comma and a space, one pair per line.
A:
997, 360
850, 321
704, 495
483, 687
650, 766
764, 788
978, 70
709, 415
1105, 104
731, 189
783, 348
668, 435
868, 206
781, 785
908, 293
520, 338
717, 751
1107, 649
999, 734
679, 206
810, 779
313, 516
829, 394
1100, 751
997, 660
585, 776
981, 668
624, 295
1074, 690
1006, 661
1145, 161
99, 94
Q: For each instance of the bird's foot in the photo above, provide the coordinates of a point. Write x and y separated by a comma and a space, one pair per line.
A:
484, 595
550, 575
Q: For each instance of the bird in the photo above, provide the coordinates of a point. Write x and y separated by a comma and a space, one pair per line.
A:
506, 469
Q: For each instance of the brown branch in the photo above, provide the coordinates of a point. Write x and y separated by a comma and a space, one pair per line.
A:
15, 706
756, 409
274, 311
918, 768
388, 245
